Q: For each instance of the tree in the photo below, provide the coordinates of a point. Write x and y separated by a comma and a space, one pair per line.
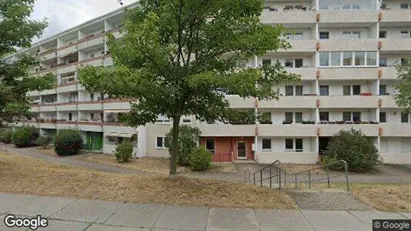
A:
355, 148
187, 141
176, 55
403, 97
17, 31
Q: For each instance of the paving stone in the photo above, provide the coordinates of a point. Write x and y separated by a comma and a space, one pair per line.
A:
88, 211
269, 219
12, 201
100, 227
186, 218
136, 215
231, 219
57, 225
333, 220
366, 217
44, 206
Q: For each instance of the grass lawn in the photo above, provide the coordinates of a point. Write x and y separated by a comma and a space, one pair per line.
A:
26, 175
294, 168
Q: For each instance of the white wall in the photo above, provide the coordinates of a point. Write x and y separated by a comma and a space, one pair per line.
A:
396, 150
337, 33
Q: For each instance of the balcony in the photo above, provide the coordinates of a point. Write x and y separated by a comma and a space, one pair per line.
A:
91, 40
395, 16
349, 45
357, 101
301, 46
47, 125
71, 67
90, 126
69, 106
35, 108
290, 102
239, 102
47, 107
396, 130
396, 45
348, 16
388, 101
116, 104
67, 49
287, 130
118, 128
68, 86
226, 130
90, 106
305, 72
357, 73
48, 55
95, 62
331, 129
66, 125
305, 157
288, 17
388, 73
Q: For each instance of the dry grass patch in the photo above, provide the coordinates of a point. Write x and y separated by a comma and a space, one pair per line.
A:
49, 151
20, 174
223, 167
294, 168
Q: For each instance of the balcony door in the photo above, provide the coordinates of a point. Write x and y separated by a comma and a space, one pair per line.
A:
241, 150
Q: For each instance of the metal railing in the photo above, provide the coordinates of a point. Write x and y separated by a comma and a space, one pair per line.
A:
260, 173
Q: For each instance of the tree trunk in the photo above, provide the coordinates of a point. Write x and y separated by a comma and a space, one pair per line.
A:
174, 146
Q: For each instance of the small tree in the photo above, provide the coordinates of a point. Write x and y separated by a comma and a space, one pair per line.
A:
25, 136
200, 159
68, 142
124, 152
44, 141
355, 148
5, 135
187, 141
403, 97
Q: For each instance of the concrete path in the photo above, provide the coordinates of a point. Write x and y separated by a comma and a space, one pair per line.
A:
81, 214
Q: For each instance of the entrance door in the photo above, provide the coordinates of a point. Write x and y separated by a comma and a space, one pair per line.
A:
241, 150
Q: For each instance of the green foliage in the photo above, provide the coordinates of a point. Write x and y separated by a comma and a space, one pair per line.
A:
44, 141
67, 142
188, 138
25, 136
200, 159
403, 87
17, 31
5, 135
124, 152
355, 148
175, 59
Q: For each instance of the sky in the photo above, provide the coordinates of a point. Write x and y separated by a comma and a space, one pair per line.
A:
64, 14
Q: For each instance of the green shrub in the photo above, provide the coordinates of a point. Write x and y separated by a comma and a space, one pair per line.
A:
44, 141
187, 142
200, 159
124, 152
355, 148
25, 136
5, 135
67, 142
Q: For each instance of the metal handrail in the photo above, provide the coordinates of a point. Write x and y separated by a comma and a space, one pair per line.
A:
278, 176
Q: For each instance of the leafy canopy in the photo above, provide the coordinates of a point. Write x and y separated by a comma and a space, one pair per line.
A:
403, 97
17, 31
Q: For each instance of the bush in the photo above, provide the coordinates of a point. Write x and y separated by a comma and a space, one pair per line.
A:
44, 141
187, 142
25, 136
5, 135
67, 142
355, 148
124, 152
200, 159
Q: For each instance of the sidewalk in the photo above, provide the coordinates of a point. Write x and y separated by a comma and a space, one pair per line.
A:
92, 215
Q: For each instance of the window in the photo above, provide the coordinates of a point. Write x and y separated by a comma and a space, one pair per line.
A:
383, 89
289, 144
356, 89
298, 90
92, 96
383, 62
359, 58
289, 116
161, 142
324, 116
351, 35
324, 35
346, 116
405, 34
356, 116
289, 90
298, 117
289, 63
347, 58
324, 90
324, 59
404, 117
266, 144
383, 34
92, 116
371, 58
298, 145
210, 145
70, 116
298, 63
404, 6
266, 62
346, 35
335, 58
383, 117
162, 120
186, 121
346, 7
347, 90
296, 36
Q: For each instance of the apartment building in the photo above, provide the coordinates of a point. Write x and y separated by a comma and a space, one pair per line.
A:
345, 52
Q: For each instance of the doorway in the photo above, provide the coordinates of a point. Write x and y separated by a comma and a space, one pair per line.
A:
241, 150
323, 145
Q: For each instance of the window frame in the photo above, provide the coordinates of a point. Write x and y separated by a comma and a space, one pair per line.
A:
263, 144
286, 142
405, 119
163, 142
299, 90
324, 33
287, 89
356, 90
345, 88
326, 87
296, 143
325, 114
206, 145
385, 117
300, 117
382, 86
